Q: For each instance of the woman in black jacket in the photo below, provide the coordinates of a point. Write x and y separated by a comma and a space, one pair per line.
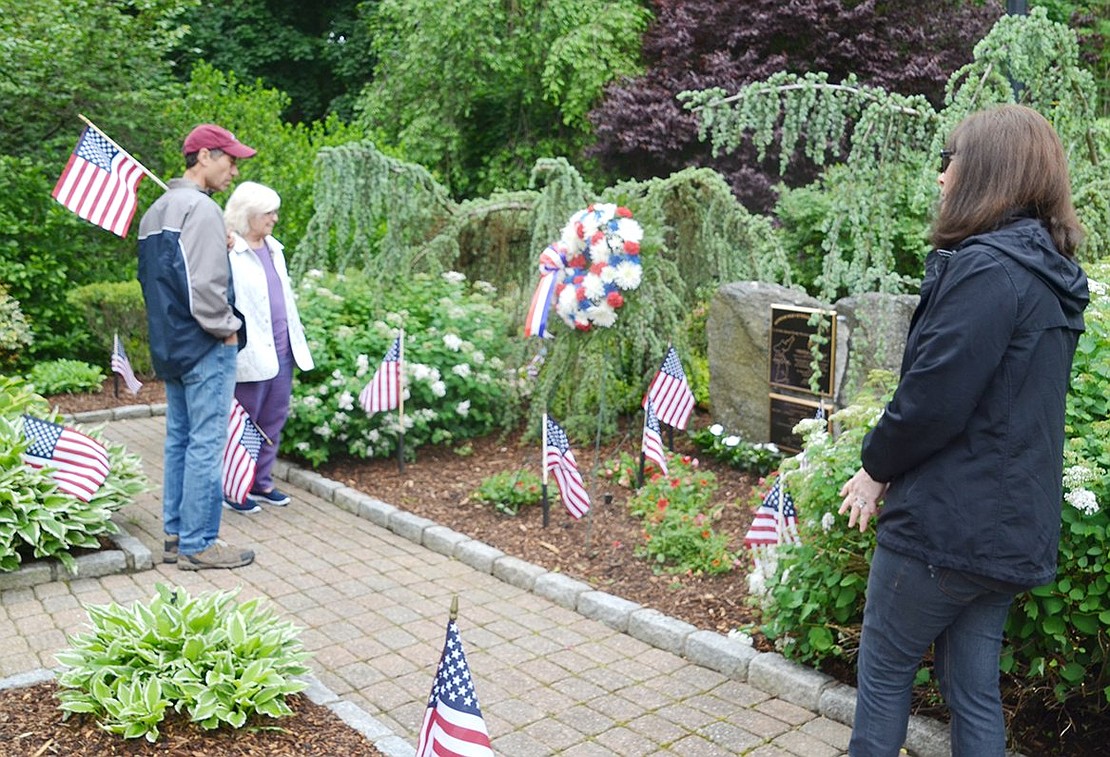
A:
967, 457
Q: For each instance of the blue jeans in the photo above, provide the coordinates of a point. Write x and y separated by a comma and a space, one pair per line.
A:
911, 605
197, 409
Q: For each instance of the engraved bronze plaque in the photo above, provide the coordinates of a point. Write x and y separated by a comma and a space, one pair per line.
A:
785, 414
791, 356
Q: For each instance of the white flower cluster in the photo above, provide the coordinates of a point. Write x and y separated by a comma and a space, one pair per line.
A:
1076, 478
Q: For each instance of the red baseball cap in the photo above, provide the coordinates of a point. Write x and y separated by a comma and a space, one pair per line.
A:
215, 137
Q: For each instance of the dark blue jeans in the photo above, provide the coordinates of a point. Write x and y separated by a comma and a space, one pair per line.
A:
910, 605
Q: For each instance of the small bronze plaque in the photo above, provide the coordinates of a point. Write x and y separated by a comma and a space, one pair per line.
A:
785, 414
791, 356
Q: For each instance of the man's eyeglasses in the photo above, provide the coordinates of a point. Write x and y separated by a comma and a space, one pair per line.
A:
946, 159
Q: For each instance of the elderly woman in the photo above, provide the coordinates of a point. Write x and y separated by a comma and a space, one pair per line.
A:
967, 458
275, 337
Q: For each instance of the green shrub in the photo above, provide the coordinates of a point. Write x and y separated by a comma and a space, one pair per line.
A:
116, 307
15, 334
813, 607
510, 491
215, 659
758, 458
66, 377
1059, 634
456, 380
37, 518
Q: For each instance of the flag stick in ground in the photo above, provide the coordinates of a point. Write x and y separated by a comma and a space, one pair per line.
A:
401, 406
543, 467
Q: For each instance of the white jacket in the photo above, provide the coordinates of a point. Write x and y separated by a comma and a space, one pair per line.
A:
258, 360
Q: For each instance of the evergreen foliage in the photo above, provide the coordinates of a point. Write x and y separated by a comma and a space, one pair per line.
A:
642, 130
892, 140
390, 219
486, 89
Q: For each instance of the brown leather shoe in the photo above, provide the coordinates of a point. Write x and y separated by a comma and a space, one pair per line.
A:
219, 555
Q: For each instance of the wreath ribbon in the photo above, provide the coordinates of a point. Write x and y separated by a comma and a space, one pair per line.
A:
552, 260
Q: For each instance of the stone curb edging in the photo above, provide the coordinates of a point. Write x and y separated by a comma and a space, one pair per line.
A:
130, 556
768, 671
354, 716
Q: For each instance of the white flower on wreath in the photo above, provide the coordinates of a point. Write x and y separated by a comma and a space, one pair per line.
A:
627, 275
568, 303
602, 315
594, 287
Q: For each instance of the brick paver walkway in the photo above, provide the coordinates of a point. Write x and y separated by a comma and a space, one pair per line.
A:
374, 605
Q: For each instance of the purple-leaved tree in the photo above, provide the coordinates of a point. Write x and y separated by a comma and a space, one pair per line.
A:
904, 46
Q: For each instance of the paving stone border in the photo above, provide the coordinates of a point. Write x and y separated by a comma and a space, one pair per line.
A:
383, 739
129, 556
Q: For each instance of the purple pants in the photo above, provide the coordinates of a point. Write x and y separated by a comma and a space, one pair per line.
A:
267, 403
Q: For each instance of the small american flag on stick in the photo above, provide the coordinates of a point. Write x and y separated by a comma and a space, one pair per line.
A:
652, 444
384, 390
100, 182
559, 459
244, 440
453, 723
122, 366
670, 392
80, 463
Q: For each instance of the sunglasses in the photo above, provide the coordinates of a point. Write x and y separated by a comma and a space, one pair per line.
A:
946, 159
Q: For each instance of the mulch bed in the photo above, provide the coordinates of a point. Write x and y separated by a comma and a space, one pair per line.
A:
31, 724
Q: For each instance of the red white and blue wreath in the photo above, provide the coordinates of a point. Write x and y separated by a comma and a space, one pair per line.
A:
585, 274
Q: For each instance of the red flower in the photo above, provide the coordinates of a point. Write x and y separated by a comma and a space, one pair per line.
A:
614, 299
597, 237
623, 212
662, 504
632, 248
705, 534
578, 279
580, 293
597, 268
578, 261
675, 483
580, 230
686, 459
581, 326
559, 288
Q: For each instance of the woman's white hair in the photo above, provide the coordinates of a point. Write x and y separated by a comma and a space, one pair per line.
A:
249, 199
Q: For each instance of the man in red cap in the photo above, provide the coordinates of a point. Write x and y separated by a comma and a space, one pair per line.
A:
195, 335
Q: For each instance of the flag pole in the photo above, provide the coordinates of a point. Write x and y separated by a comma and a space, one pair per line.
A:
112, 142
115, 376
543, 467
454, 614
401, 404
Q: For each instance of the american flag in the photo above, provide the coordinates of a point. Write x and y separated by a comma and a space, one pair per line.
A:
652, 444
384, 390
244, 440
775, 521
122, 366
80, 462
99, 183
453, 723
670, 392
560, 460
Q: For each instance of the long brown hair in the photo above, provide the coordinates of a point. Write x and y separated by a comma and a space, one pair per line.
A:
1007, 162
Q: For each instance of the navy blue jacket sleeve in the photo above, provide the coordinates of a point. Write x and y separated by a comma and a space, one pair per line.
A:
961, 337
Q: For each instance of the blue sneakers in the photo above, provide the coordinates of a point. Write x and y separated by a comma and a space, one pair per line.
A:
250, 506
274, 498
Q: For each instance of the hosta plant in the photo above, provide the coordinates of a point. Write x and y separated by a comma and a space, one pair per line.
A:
36, 518
66, 377
211, 657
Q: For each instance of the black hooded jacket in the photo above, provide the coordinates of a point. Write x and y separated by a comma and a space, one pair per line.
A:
972, 441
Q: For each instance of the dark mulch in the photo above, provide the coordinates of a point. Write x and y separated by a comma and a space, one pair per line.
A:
31, 724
